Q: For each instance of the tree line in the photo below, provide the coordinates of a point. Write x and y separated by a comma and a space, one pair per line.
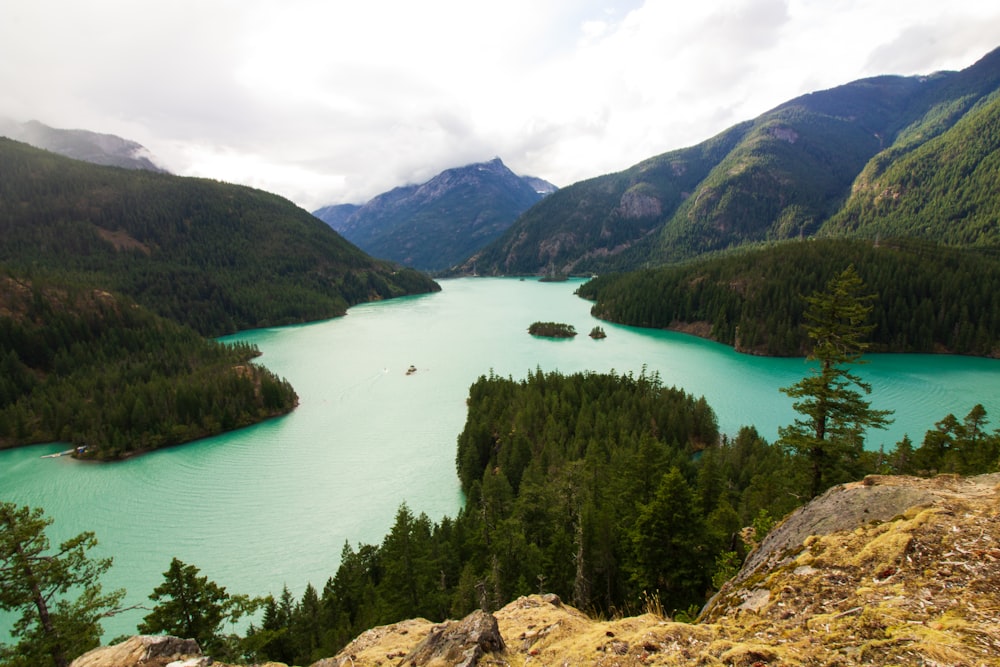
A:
930, 298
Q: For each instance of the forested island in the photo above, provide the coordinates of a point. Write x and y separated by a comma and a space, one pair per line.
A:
552, 329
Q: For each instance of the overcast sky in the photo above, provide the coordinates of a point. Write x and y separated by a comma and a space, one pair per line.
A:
330, 101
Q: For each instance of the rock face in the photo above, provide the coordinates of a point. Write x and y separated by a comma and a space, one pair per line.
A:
452, 644
146, 651
461, 644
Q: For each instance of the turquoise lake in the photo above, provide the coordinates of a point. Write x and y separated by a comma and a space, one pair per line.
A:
272, 505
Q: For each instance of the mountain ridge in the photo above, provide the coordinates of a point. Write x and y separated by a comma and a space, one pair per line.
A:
97, 148
215, 256
435, 224
783, 175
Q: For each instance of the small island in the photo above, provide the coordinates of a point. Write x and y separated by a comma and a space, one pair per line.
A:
552, 330
597, 333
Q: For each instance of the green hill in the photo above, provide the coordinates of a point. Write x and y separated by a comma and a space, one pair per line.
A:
215, 256
110, 278
865, 158
945, 189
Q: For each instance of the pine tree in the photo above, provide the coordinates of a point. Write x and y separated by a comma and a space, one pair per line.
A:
194, 607
835, 415
52, 628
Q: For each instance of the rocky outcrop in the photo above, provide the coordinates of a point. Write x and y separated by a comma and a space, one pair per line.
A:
460, 643
452, 644
146, 651
890, 570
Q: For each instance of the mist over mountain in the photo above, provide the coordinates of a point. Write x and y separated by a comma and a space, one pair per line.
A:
104, 149
434, 225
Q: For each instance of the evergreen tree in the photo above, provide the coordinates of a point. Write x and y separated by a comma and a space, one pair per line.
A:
52, 628
194, 607
830, 434
667, 541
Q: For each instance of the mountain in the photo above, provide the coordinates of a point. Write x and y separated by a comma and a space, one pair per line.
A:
215, 256
864, 158
441, 222
336, 215
103, 149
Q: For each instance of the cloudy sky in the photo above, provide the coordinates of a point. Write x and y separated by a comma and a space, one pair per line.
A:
334, 101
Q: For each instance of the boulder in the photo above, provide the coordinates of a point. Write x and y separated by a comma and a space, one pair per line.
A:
146, 651
459, 643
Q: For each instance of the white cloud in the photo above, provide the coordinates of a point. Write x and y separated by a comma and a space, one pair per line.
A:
326, 102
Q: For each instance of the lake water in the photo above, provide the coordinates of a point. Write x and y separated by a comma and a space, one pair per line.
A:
273, 505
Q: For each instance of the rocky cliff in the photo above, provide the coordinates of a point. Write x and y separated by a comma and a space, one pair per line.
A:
890, 570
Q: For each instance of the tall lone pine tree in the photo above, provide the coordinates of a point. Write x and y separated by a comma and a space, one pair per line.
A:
36, 582
835, 415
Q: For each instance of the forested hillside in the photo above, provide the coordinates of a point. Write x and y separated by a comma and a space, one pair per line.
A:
82, 366
944, 190
915, 155
929, 298
214, 256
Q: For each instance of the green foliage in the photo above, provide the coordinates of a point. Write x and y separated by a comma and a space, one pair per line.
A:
217, 257
952, 446
93, 369
192, 606
611, 491
37, 583
931, 298
597, 333
727, 564
552, 329
944, 190
667, 539
835, 416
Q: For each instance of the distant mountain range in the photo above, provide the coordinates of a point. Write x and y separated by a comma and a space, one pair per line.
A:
103, 149
886, 156
439, 223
